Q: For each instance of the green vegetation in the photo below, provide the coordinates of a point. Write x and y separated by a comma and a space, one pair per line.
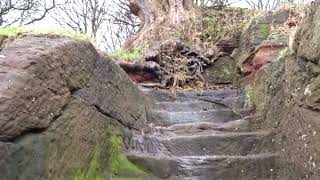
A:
213, 30
128, 55
10, 31
249, 95
215, 24
16, 31
227, 71
94, 172
121, 167
264, 30
118, 165
59, 32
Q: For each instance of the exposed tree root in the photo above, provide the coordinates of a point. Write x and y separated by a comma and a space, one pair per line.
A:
179, 64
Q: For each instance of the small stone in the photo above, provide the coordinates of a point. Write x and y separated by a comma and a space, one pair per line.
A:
307, 91
314, 133
303, 137
2, 56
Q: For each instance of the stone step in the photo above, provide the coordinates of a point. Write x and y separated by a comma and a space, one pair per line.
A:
236, 125
199, 105
167, 118
203, 144
261, 166
168, 96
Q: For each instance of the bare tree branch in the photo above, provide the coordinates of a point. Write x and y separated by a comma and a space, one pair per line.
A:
24, 11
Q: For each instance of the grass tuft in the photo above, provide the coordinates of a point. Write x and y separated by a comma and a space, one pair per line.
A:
10, 31
128, 55
16, 31
60, 32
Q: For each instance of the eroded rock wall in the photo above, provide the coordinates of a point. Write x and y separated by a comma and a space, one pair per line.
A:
286, 94
58, 100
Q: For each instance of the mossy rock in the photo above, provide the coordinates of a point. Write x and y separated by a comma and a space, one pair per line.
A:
121, 167
221, 72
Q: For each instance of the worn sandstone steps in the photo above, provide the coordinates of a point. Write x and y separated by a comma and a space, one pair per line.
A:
203, 144
232, 96
202, 136
204, 103
195, 105
239, 125
221, 167
181, 117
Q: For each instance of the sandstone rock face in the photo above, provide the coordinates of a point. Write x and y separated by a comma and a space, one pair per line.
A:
259, 45
58, 97
286, 95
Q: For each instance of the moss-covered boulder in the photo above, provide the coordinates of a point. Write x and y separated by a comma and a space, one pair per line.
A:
61, 107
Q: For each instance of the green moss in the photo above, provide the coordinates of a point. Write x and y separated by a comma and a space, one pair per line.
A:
128, 55
118, 166
121, 167
249, 95
264, 30
94, 171
226, 72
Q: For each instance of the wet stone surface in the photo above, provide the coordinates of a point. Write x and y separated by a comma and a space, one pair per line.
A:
190, 138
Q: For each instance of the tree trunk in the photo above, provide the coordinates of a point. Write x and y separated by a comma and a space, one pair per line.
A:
160, 19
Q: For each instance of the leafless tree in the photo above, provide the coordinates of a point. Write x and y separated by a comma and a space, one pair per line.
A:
269, 4
82, 16
24, 12
121, 25
108, 23
211, 2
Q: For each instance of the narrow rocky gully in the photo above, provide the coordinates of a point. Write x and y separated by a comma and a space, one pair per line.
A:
203, 135
189, 105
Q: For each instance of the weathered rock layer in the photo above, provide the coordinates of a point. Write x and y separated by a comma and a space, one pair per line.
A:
58, 100
285, 91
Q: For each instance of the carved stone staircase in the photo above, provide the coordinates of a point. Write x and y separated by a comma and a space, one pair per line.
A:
203, 136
